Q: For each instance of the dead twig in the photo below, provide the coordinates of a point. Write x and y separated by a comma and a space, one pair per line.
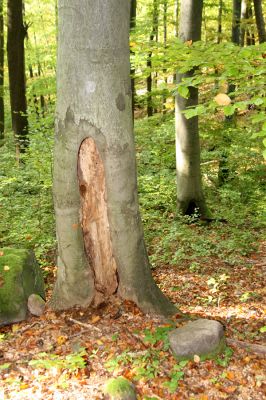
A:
88, 326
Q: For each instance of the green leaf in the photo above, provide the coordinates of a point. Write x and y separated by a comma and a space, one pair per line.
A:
190, 113
263, 329
4, 366
229, 110
183, 91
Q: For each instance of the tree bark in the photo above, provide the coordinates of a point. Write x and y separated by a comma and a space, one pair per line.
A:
153, 36
101, 249
176, 17
190, 198
2, 110
236, 17
244, 17
133, 14
16, 33
260, 21
220, 17
250, 32
165, 9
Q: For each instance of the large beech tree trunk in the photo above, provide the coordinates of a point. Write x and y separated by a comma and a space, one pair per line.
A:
2, 110
189, 189
101, 249
16, 33
133, 15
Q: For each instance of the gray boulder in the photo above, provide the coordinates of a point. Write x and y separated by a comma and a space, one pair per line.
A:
202, 337
20, 276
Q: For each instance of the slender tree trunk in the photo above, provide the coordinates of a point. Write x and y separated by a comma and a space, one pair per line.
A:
16, 33
153, 36
243, 27
133, 14
190, 196
101, 248
2, 110
260, 21
236, 18
165, 9
250, 35
176, 17
220, 17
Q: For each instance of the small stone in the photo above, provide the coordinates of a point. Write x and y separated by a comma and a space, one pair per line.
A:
119, 389
202, 337
36, 305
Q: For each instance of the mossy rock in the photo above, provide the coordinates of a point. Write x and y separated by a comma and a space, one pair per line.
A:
20, 276
119, 389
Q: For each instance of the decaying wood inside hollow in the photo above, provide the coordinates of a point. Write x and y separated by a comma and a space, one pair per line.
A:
94, 220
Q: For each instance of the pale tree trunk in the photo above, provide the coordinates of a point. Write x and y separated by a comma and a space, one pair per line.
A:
176, 17
244, 17
190, 198
101, 248
2, 110
165, 9
16, 33
260, 21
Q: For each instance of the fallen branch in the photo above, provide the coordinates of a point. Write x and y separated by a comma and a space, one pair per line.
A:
89, 326
254, 348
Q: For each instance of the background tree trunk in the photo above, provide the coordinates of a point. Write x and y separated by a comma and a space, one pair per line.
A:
244, 17
16, 33
220, 17
165, 10
236, 18
153, 36
189, 189
101, 248
260, 21
176, 17
2, 110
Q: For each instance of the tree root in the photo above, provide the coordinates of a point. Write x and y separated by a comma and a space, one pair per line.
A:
251, 347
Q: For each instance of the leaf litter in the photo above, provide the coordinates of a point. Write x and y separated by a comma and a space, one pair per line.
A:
69, 355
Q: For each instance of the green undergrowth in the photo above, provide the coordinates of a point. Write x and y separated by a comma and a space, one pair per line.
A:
26, 212
237, 206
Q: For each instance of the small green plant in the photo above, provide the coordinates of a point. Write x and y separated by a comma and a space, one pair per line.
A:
217, 286
159, 335
121, 359
4, 366
175, 376
194, 267
225, 358
247, 296
72, 362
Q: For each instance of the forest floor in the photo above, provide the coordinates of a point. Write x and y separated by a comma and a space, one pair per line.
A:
75, 352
